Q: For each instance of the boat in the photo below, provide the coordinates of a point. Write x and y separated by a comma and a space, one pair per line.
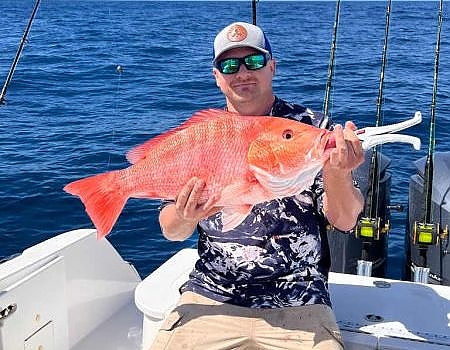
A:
74, 292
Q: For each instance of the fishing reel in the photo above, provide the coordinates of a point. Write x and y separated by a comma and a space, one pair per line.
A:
371, 228
428, 234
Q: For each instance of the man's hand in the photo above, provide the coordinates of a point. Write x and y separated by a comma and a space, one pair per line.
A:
348, 154
178, 220
188, 204
342, 201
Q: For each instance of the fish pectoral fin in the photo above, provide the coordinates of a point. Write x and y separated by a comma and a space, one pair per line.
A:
249, 191
235, 190
234, 216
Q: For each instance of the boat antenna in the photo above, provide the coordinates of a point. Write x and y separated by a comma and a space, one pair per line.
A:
19, 52
326, 100
254, 11
370, 226
426, 233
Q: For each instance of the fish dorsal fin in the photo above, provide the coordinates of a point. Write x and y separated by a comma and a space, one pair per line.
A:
140, 152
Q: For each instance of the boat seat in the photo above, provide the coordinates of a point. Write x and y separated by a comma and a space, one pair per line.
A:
158, 294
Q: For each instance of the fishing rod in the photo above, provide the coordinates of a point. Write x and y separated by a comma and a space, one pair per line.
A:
372, 204
364, 267
427, 233
432, 141
254, 11
370, 226
19, 52
326, 100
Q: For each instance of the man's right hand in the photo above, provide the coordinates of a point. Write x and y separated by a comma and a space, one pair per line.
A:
179, 220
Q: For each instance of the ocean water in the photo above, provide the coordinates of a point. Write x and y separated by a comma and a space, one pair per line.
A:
71, 112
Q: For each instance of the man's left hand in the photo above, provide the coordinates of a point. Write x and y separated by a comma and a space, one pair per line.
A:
348, 154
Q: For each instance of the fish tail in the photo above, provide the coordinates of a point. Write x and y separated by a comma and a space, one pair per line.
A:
102, 197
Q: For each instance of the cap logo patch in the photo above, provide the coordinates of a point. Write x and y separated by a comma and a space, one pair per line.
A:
237, 33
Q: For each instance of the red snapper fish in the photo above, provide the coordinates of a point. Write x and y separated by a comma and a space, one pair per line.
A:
245, 159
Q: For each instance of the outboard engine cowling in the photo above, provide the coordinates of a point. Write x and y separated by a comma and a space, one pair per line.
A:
437, 256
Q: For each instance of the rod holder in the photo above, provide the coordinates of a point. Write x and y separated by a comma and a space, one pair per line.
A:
421, 274
364, 268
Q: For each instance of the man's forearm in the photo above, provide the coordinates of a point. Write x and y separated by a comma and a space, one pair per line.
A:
343, 201
173, 227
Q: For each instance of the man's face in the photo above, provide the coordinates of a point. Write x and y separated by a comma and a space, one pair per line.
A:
245, 86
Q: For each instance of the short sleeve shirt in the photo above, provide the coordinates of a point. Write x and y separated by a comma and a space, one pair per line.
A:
278, 256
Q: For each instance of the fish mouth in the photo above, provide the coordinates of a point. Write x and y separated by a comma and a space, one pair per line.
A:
327, 143
330, 142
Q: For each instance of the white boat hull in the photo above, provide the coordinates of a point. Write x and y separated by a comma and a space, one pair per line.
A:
71, 292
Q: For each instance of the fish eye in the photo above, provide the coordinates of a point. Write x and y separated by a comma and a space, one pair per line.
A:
288, 134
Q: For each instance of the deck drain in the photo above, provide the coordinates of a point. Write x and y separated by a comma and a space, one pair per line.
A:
374, 318
382, 284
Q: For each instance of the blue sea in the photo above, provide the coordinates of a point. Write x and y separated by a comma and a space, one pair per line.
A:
99, 77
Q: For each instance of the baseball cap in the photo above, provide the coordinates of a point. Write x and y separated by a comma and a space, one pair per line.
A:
241, 34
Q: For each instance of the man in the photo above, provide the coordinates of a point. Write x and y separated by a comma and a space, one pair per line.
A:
262, 285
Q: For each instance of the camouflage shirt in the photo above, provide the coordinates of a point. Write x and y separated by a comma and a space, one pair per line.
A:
279, 255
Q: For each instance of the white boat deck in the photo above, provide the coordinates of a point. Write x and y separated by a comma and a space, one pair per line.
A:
75, 292
391, 314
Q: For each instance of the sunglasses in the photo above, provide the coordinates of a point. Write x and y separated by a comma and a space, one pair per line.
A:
254, 61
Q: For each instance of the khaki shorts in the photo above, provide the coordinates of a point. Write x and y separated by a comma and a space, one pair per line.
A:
199, 323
